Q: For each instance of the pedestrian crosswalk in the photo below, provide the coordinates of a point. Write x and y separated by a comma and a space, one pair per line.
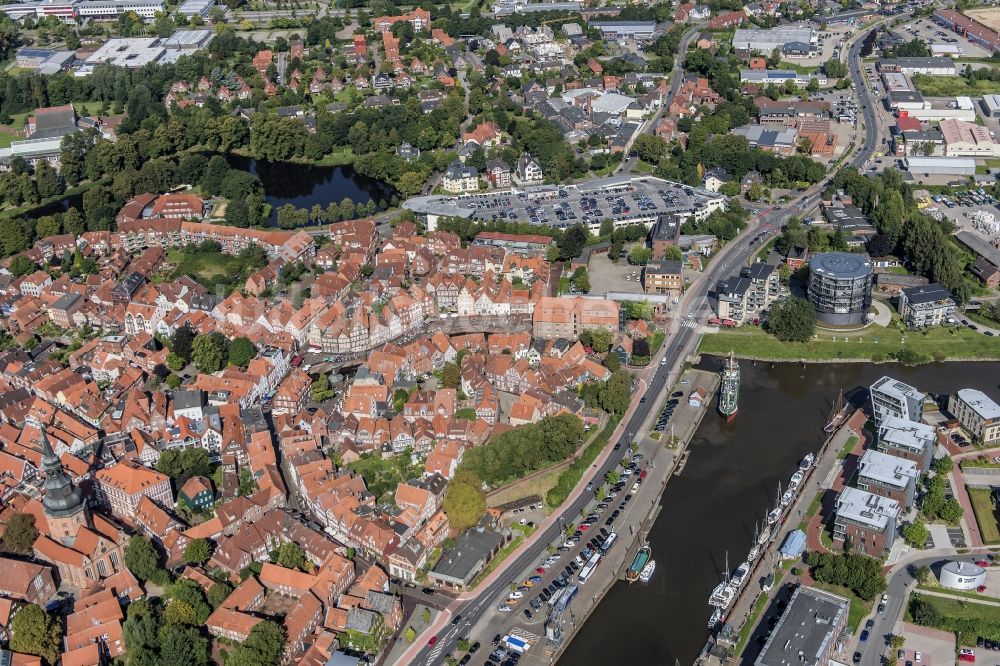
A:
435, 653
690, 323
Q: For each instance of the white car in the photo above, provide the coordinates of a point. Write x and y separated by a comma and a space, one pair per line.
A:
516, 595
504, 608
885, 598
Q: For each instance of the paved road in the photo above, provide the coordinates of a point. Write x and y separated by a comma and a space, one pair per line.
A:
678, 344
676, 78
872, 651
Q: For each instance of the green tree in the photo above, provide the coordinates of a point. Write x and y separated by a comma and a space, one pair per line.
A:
924, 612
141, 627
915, 534
291, 555
181, 645
581, 280
21, 265
181, 343
142, 558
464, 501
922, 574
673, 253
640, 256
20, 534
793, 319
943, 465
410, 634
209, 352
617, 392
451, 375
218, 593
181, 464
263, 646
572, 242
321, 389
33, 631
241, 352
180, 612
197, 551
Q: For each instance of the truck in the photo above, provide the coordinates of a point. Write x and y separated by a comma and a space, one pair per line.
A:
518, 645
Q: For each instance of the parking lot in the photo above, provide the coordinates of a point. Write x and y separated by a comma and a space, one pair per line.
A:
962, 206
932, 33
606, 275
622, 199
934, 646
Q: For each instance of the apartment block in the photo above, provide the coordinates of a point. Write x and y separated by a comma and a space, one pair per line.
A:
978, 414
908, 440
888, 476
891, 397
866, 520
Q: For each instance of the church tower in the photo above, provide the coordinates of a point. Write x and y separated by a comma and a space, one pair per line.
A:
65, 507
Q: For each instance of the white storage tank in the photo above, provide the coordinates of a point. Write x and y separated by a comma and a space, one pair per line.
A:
960, 575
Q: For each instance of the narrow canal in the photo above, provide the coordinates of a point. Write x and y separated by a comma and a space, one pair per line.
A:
728, 485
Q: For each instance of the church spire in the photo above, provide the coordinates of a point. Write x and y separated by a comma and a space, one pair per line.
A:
62, 498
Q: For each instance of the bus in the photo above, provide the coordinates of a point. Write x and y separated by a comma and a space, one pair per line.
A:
610, 541
589, 567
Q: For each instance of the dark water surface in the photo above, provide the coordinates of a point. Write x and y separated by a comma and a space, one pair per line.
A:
301, 185
730, 482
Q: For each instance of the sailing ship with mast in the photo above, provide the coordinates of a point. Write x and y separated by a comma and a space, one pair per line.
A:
838, 415
729, 393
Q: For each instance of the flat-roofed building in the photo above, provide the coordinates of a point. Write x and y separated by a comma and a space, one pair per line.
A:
105, 9
866, 521
939, 66
977, 413
991, 105
663, 276
808, 631
765, 41
891, 397
926, 305
133, 52
909, 440
888, 476
621, 30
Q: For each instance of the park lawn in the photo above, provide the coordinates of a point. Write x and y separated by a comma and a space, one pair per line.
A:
753, 342
658, 338
801, 69
751, 622
341, 155
953, 86
204, 266
539, 485
6, 138
954, 611
383, 474
982, 505
849, 445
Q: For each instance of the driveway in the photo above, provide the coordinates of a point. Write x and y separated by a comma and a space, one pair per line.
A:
883, 313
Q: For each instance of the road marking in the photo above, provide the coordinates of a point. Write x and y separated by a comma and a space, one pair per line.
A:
435, 653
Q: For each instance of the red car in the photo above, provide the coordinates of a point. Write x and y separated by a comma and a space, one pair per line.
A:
584, 527
981, 589
432, 641
983, 563
539, 570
